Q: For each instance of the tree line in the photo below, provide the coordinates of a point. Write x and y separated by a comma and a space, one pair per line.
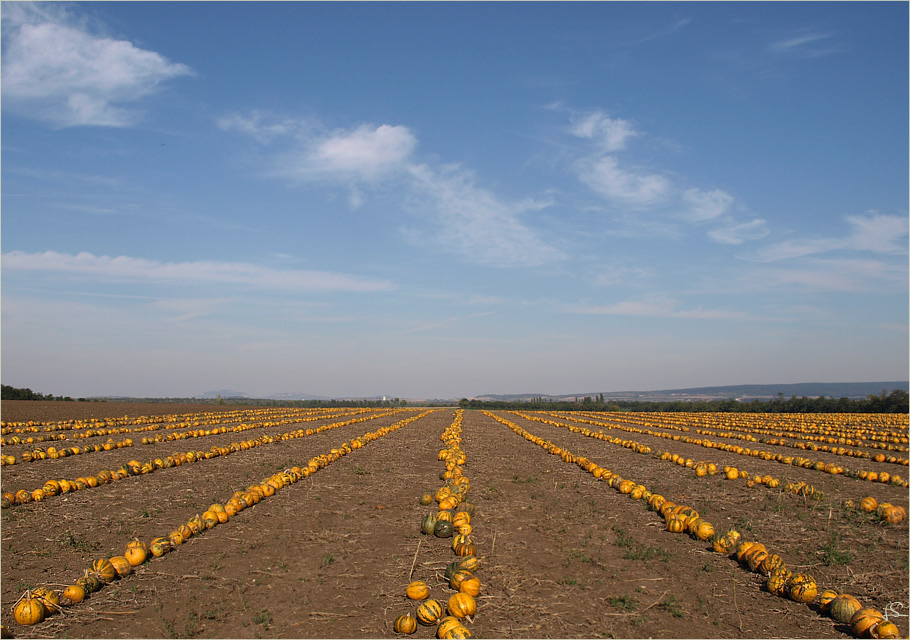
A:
898, 401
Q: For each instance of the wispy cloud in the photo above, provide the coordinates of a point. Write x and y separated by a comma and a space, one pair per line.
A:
610, 133
673, 28
56, 70
132, 269
707, 205
456, 214
874, 232
658, 308
647, 198
623, 186
473, 222
810, 43
732, 232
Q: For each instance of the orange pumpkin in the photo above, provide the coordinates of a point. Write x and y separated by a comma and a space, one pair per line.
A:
405, 623
122, 565
73, 594
461, 605
418, 590
29, 610
105, 570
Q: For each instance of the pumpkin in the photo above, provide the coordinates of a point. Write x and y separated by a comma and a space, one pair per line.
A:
467, 507
90, 582
802, 588
159, 546
428, 524
49, 598
458, 577
73, 594
209, 519
461, 605
471, 563
122, 565
465, 549
676, 524
443, 529
176, 538
105, 570
825, 598
777, 582
29, 610
770, 562
195, 524
702, 529
418, 590
461, 538
843, 607
868, 504
447, 624
471, 586
754, 558
136, 554
864, 620
426, 499
461, 518
405, 623
457, 633
429, 612
885, 629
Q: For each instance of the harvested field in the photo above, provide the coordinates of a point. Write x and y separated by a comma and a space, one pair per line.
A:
562, 553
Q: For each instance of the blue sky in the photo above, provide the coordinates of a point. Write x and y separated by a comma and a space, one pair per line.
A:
441, 200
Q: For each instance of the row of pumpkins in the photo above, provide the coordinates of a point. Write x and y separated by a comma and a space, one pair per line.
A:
34, 605
452, 520
864, 621
134, 467
835, 445
798, 461
866, 429
172, 421
888, 513
53, 453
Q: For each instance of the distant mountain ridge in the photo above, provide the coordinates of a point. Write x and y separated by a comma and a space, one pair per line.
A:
852, 390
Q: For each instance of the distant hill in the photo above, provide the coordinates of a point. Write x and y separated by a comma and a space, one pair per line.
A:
852, 390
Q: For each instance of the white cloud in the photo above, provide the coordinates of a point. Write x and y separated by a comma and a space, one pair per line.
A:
473, 222
808, 43
54, 69
604, 175
874, 232
611, 134
126, 268
707, 205
879, 233
732, 232
364, 152
262, 126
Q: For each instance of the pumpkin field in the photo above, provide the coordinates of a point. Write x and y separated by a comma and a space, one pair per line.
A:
131, 520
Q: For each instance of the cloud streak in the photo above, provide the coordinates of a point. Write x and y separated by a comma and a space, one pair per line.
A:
455, 214
131, 269
56, 70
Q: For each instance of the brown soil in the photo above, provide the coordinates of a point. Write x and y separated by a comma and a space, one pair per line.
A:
563, 554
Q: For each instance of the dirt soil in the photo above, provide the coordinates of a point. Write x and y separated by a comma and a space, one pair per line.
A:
563, 555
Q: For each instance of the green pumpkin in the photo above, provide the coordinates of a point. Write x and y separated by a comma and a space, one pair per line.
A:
428, 526
444, 529
467, 506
